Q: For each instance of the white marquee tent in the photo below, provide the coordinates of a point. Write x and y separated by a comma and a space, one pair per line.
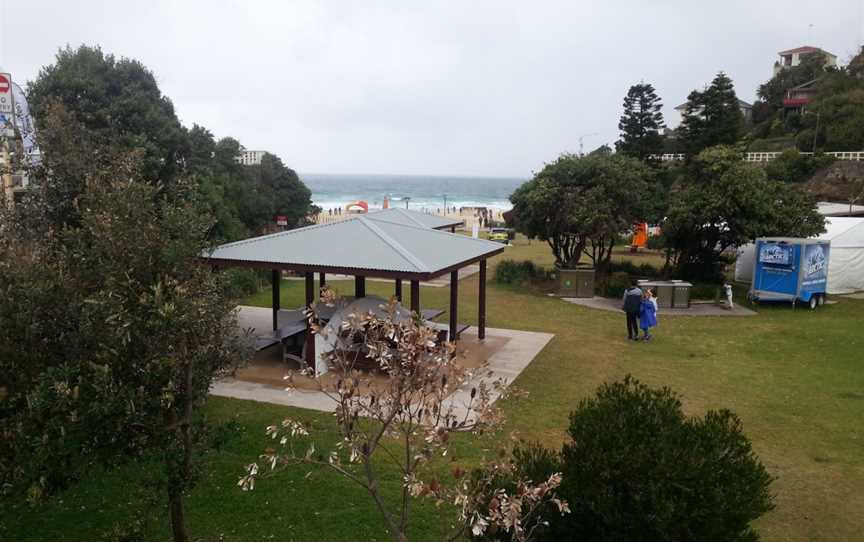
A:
845, 265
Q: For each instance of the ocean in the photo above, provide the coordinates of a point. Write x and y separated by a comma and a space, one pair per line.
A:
420, 192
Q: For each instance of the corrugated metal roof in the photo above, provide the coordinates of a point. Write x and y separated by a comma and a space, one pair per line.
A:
362, 243
414, 218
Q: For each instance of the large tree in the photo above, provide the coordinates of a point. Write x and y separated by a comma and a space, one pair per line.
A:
641, 123
712, 117
580, 204
117, 99
720, 201
116, 105
287, 195
110, 329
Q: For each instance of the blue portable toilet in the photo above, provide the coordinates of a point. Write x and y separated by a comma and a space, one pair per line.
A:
790, 269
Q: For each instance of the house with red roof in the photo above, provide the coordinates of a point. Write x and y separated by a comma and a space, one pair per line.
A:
792, 57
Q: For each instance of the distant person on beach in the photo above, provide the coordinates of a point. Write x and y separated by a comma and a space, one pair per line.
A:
648, 314
631, 307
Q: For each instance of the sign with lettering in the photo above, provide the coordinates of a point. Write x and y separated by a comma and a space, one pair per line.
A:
5, 94
775, 254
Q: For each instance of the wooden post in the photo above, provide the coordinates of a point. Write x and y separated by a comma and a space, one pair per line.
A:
415, 296
322, 281
310, 288
452, 229
276, 278
481, 316
454, 302
398, 293
359, 286
310, 339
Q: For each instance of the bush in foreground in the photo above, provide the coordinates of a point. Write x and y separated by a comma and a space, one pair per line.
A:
636, 468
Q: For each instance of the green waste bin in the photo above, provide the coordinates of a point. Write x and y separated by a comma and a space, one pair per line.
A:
577, 282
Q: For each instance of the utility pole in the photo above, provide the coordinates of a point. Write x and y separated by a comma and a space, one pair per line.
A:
581, 143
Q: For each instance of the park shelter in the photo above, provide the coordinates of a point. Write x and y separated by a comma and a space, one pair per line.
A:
385, 244
845, 263
414, 218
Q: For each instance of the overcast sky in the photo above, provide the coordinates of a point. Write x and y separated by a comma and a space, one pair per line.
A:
431, 87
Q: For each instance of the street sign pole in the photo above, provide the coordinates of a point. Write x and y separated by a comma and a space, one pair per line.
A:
6, 106
7, 131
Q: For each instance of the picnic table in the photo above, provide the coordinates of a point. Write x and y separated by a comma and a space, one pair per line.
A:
292, 325
444, 330
431, 314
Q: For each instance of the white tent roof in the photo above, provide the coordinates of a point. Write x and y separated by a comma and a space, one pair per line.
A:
828, 208
844, 232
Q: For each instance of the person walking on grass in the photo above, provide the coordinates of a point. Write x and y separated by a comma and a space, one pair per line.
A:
648, 314
631, 305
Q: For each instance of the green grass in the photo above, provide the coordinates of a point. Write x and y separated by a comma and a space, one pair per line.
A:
794, 377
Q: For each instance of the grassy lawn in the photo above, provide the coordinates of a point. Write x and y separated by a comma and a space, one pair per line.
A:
794, 377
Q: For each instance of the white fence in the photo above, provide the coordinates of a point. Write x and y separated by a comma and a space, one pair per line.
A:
855, 156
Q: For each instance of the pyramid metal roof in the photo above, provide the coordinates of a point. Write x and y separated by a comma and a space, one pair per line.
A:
373, 245
414, 218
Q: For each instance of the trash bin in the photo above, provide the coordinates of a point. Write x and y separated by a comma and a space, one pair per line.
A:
681, 294
665, 293
577, 282
671, 294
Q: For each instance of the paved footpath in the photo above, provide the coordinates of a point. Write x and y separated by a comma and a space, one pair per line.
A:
696, 309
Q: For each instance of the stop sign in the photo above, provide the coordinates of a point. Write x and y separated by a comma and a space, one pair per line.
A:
5, 93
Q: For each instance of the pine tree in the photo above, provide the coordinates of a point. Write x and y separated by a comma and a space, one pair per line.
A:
641, 123
712, 117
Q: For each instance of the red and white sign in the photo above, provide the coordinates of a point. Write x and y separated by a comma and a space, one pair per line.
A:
5, 94
281, 220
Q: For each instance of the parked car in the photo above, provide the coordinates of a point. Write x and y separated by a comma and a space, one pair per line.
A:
499, 235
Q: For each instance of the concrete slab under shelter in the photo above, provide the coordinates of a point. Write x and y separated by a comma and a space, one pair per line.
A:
508, 352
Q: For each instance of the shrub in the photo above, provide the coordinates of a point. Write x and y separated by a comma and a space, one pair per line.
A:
616, 285
704, 290
243, 281
656, 242
642, 270
519, 273
636, 468
530, 461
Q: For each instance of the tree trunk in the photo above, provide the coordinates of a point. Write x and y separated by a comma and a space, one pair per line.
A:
178, 481
178, 517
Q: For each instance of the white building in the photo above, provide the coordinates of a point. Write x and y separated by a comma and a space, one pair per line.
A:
250, 158
792, 57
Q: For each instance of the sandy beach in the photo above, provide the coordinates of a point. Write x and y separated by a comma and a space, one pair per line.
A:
469, 215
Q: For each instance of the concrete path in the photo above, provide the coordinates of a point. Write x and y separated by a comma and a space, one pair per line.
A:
696, 309
507, 363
